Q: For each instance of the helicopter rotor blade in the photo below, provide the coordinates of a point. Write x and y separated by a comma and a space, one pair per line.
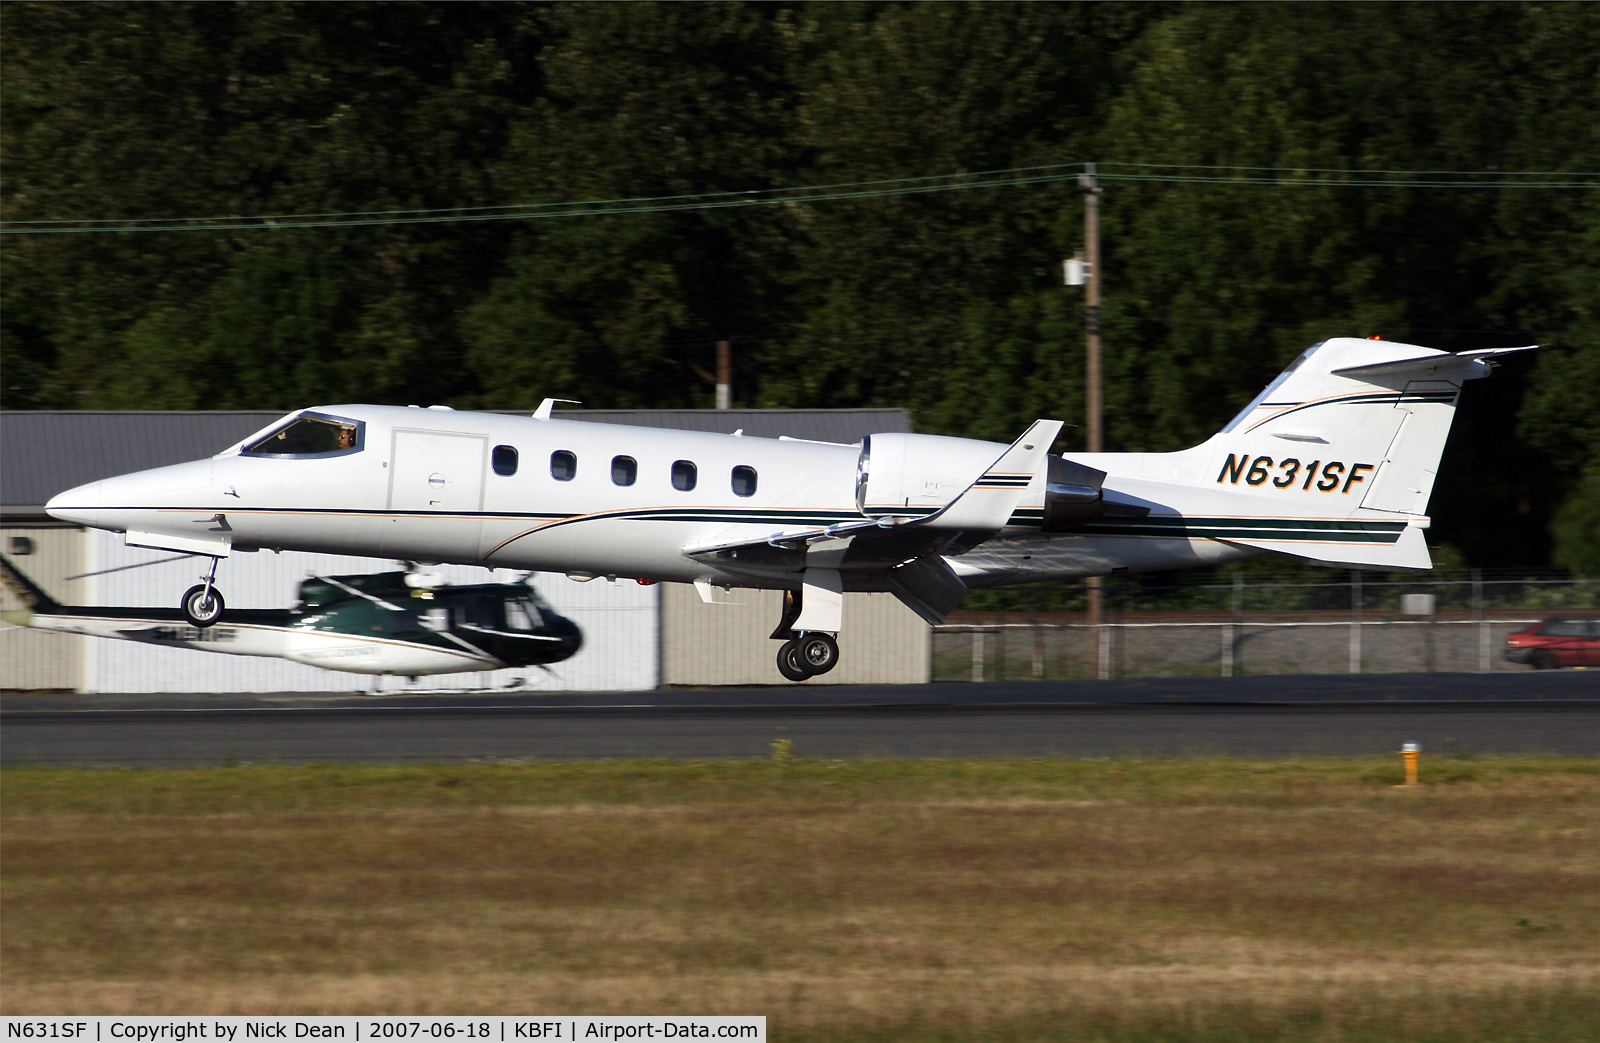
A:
137, 565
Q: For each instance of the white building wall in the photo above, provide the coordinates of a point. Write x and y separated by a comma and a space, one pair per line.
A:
39, 660
619, 622
882, 642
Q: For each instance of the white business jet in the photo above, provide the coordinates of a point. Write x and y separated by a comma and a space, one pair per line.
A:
1332, 463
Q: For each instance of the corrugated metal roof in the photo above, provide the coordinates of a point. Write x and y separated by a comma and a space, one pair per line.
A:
43, 452
821, 425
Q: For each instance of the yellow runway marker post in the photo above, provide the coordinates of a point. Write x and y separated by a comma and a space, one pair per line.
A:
1410, 751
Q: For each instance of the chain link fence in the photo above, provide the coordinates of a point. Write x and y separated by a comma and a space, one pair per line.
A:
1229, 629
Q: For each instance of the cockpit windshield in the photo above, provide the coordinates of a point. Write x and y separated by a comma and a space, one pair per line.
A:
311, 434
523, 613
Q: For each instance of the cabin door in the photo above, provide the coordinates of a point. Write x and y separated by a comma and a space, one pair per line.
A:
435, 496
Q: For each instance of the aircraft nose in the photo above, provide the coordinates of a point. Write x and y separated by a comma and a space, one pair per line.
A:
571, 639
133, 501
80, 506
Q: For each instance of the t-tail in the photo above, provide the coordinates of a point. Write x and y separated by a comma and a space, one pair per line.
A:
1335, 460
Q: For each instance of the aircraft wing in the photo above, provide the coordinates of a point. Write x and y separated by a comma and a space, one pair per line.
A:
980, 511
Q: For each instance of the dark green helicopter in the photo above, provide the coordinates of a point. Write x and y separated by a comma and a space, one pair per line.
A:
378, 623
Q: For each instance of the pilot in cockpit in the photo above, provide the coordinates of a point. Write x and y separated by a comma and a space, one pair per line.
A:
310, 436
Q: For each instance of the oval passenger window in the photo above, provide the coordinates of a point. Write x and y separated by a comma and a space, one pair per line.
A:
563, 465
624, 470
744, 481
504, 460
683, 475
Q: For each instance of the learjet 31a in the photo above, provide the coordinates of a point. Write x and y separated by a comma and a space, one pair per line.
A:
1332, 463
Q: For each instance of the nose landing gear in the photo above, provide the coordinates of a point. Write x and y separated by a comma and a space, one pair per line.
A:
202, 603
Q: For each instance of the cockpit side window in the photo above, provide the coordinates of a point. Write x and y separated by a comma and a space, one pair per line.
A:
312, 435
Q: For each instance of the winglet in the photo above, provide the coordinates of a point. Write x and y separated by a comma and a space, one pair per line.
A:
988, 503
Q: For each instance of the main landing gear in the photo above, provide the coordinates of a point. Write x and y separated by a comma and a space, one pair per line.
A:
202, 603
805, 653
807, 656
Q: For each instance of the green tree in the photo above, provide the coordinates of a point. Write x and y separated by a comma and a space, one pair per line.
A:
640, 100
946, 302
160, 110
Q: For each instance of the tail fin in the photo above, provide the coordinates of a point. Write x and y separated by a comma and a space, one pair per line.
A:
24, 590
1353, 429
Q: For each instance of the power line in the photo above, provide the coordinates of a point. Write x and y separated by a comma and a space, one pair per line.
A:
589, 202
523, 212
1249, 176
1356, 170
1343, 182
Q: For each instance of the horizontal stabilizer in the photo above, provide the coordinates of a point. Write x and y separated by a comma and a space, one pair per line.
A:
1468, 365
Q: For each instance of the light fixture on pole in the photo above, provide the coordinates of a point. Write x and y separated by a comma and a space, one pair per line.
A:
724, 375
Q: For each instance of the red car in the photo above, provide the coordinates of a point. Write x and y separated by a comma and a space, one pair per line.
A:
1566, 640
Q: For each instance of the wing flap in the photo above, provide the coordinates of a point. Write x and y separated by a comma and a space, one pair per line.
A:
927, 586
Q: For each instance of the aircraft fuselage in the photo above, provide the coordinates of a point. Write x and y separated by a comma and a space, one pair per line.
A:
424, 485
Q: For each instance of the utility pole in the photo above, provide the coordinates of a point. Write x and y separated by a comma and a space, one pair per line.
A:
724, 375
1092, 402
1091, 306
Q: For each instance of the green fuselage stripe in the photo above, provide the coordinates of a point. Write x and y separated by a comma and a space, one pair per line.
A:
1165, 526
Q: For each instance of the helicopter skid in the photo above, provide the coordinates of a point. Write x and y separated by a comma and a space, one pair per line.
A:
349, 653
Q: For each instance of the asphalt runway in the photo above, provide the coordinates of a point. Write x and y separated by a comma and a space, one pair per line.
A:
1523, 712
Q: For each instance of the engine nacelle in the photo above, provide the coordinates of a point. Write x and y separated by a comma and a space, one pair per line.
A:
917, 474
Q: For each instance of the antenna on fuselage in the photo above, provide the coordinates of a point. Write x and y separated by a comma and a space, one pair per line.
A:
543, 412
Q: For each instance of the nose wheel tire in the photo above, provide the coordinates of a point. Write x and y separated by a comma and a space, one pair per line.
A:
200, 607
789, 664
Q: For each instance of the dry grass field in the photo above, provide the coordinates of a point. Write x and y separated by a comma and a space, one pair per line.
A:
1171, 900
